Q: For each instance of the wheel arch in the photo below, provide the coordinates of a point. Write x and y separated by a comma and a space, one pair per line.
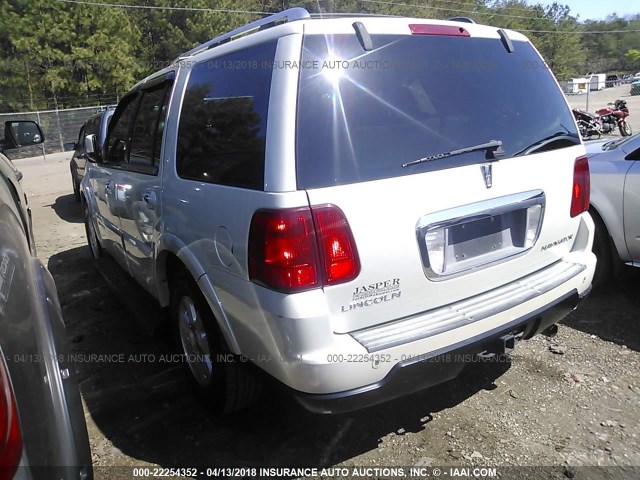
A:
605, 214
172, 256
88, 200
600, 222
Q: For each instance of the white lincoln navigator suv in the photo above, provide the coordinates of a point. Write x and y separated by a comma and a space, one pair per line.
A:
353, 205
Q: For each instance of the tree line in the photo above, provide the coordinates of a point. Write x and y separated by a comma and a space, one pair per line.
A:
57, 54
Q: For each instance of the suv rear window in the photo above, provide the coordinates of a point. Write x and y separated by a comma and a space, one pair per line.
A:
361, 115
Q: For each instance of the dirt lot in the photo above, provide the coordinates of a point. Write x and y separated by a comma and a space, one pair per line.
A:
577, 408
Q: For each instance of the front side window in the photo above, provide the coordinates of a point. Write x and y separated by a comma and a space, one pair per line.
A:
119, 131
223, 123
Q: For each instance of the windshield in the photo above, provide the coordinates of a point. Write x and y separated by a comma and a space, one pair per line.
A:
362, 115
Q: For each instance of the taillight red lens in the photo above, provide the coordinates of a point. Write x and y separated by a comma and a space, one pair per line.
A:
581, 187
336, 244
282, 250
292, 250
10, 434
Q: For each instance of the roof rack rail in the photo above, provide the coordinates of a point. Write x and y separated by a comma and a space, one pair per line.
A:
350, 15
296, 13
462, 19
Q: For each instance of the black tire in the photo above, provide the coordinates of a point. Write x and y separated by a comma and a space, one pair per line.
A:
625, 129
76, 185
224, 382
92, 237
604, 252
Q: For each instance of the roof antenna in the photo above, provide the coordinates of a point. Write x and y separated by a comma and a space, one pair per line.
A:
506, 41
363, 36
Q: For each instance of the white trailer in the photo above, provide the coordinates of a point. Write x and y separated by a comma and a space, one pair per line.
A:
577, 85
598, 81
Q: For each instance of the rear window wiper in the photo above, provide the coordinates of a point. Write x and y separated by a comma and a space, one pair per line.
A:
493, 148
540, 145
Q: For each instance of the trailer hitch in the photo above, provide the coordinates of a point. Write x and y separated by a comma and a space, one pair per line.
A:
501, 346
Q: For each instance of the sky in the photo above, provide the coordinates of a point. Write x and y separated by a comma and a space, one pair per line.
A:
596, 9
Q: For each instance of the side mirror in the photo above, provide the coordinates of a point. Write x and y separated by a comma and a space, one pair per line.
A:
91, 148
22, 133
70, 146
90, 143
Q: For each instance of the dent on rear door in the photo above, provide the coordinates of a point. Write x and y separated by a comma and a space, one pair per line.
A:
138, 217
111, 193
140, 182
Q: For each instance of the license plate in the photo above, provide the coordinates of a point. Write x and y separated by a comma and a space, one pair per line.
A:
451, 246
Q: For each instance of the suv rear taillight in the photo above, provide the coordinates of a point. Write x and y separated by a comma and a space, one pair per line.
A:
292, 250
581, 187
336, 244
10, 435
283, 253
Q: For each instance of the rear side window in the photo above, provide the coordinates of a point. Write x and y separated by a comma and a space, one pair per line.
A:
362, 115
147, 132
223, 123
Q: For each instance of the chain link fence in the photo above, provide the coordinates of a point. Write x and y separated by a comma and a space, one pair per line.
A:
59, 127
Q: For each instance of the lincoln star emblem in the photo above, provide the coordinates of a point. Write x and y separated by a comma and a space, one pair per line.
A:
486, 172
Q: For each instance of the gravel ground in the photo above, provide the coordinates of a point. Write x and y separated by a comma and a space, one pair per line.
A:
576, 407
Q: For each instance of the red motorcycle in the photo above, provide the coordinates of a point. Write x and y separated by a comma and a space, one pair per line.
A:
605, 120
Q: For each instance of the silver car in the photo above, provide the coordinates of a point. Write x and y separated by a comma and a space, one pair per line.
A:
615, 202
356, 206
43, 435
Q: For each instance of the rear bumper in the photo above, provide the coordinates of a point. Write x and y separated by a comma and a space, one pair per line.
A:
291, 337
300, 350
439, 366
